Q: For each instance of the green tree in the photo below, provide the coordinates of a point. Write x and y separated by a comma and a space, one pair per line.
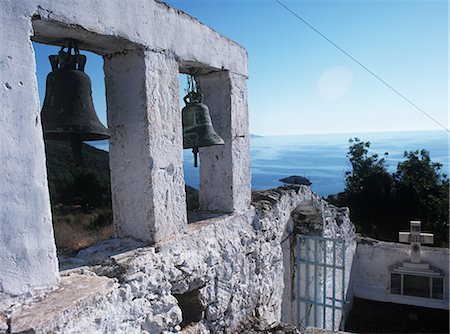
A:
364, 166
423, 193
382, 204
369, 190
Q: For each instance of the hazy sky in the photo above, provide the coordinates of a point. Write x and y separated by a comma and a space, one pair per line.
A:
299, 83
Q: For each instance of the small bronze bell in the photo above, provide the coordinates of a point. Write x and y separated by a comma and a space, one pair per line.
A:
198, 130
68, 111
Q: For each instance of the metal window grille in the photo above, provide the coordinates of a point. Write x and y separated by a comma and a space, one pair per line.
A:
320, 278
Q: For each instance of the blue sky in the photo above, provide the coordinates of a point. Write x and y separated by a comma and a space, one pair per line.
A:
300, 84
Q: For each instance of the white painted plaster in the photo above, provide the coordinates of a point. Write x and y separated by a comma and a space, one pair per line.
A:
288, 305
159, 41
28, 254
147, 181
235, 261
371, 275
319, 219
149, 24
225, 180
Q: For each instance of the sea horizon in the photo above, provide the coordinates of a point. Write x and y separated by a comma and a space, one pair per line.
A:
322, 157
347, 133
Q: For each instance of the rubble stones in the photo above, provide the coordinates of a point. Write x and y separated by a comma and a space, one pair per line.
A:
233, 262
261, 327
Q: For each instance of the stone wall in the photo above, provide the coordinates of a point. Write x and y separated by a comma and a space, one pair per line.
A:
145, 44
160, 274
371, 270
216, 277
318, 225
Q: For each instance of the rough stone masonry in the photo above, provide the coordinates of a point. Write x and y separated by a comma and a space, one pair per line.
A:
145, 45
160, 274
229, 270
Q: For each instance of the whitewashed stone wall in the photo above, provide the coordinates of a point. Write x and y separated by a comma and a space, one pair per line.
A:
233, 264
145, 45
316, 218
224, 187
229, 268
371, 271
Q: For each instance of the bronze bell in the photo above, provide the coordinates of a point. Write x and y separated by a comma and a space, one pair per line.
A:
198, 130
68, 111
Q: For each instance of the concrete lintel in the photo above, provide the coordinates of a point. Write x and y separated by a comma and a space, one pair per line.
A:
152, 24
48, 31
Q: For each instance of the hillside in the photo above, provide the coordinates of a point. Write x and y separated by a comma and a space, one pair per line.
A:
81, 197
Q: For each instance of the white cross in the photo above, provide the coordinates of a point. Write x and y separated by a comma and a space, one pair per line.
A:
415, 238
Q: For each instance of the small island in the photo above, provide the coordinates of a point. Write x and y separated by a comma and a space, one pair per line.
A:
295, 179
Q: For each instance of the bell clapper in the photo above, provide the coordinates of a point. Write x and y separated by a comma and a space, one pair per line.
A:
195, 151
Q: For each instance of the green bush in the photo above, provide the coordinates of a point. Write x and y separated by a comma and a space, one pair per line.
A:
382, 204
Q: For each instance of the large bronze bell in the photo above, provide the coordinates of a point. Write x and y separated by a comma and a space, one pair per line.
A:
198, 130
68, 111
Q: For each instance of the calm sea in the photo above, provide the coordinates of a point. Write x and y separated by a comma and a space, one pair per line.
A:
322, 158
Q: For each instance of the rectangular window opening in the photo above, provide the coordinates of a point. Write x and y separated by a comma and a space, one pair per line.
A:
191, 173
80, 190
396, 281
417, 286
438, 288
